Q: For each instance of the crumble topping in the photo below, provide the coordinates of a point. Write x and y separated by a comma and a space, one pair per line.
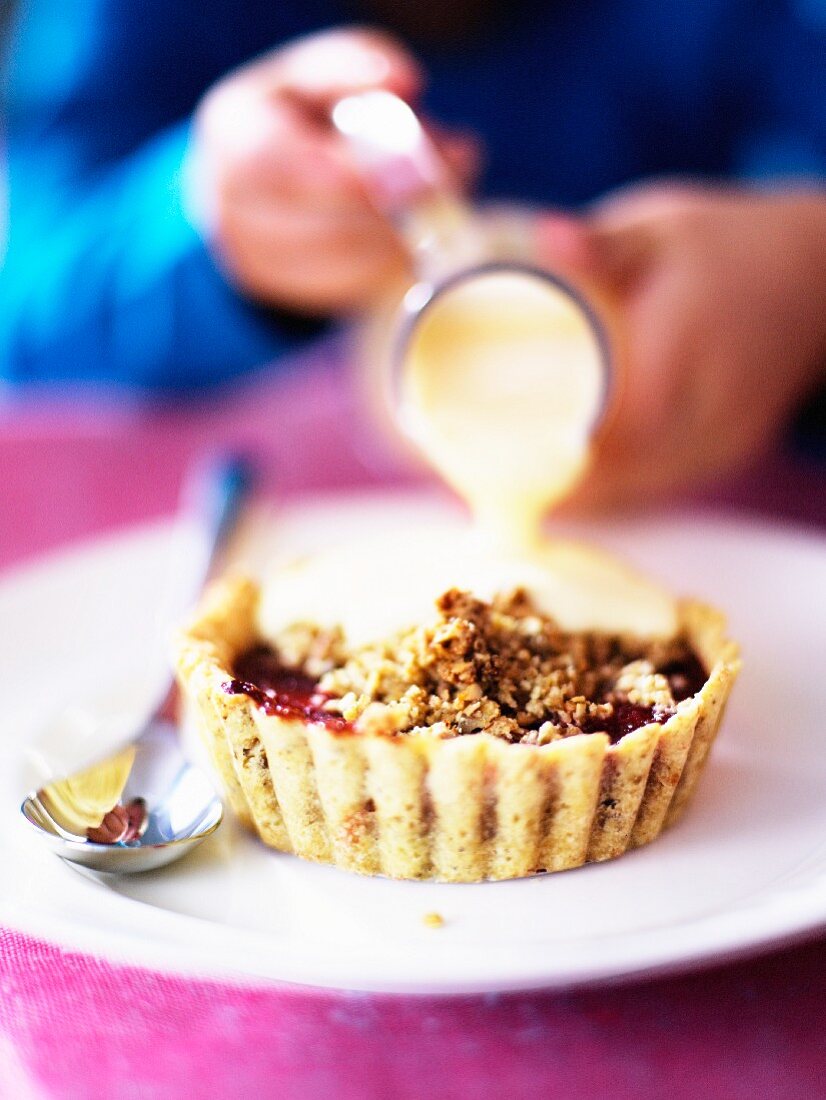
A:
502, 668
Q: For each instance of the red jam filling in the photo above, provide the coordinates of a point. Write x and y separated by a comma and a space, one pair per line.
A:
626, 718
282, 691
685, 678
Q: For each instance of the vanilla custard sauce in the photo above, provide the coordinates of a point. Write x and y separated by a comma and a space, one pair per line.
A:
501, 388
502, 385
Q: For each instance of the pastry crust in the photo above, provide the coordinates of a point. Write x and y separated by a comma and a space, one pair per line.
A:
462, 809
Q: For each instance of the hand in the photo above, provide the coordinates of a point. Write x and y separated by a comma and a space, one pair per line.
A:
280, 201
718, 299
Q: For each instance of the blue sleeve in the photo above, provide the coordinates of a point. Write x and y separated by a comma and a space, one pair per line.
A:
777, 91
104, 278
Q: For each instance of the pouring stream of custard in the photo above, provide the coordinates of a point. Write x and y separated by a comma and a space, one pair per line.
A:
502, 384
501, 387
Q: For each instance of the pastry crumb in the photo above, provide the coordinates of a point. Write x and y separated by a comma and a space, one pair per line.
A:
433, 920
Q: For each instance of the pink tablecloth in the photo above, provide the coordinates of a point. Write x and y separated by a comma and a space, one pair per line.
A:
75, 1026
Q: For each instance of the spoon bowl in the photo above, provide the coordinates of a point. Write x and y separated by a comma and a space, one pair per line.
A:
166, 807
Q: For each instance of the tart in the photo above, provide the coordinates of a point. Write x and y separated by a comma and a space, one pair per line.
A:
490, 743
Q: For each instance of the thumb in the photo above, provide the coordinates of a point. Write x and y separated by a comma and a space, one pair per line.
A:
462, 153
608, 256
321, 69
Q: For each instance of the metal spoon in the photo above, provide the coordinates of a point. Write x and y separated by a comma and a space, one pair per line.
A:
145, 805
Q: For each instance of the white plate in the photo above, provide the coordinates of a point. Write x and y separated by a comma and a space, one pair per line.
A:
746, 868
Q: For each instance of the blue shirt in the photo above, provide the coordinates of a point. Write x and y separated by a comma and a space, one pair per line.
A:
104, 279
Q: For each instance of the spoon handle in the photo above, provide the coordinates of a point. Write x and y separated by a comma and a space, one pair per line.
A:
217, 490
213, 493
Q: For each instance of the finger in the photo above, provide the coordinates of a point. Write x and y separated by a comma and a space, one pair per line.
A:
304, 225
321, 69
563, 242
647, 202
310, 263
462, 152
650, 351
316, 172
611, 257
621, 256
345, 282
318, 72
